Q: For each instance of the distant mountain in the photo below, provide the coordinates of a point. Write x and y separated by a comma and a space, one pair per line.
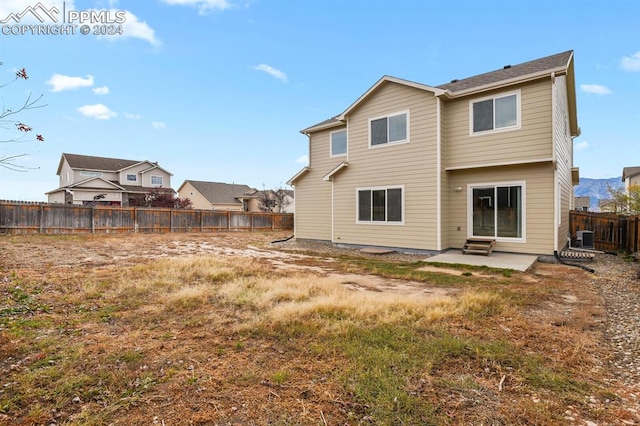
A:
597, 189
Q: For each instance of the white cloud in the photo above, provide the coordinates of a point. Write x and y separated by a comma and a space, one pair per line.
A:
158, 125
204, 6
303, 159
59, 82
581, 146
104, 90
97, 111
631, 63
272, 71
132, 116
132, 28
596, 89
135, 28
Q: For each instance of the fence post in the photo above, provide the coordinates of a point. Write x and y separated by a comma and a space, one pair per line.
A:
170, 220
42, 218
228, 221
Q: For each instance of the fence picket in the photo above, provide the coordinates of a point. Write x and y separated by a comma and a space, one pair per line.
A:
44, 218
610, 231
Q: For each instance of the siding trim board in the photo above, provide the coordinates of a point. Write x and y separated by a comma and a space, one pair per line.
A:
507, 163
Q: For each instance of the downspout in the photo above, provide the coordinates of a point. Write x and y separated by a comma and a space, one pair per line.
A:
554, 157
438, 177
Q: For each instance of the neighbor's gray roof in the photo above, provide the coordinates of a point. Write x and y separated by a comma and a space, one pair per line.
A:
559, 61
220, 193
511, 72
629, 172
87, 162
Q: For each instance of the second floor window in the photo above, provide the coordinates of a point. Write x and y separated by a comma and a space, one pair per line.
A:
495, 113
156, 180
338, 143
389, 129
132, 178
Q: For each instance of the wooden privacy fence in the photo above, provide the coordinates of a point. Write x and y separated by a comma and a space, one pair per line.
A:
610, 232
20, 218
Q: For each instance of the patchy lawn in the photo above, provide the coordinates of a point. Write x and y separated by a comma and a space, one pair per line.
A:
211, 329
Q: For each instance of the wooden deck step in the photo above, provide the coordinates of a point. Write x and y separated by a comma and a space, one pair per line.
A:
577, 255
478, 246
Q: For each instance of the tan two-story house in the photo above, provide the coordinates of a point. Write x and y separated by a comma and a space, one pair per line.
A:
88, 180
414, 166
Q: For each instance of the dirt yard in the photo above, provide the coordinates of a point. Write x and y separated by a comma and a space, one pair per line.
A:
73, 350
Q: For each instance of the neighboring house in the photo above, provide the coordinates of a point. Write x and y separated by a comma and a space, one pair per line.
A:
413, 166
226, 196
213, 195
87, 180
280, 201
631, 177
582, 203
608, 205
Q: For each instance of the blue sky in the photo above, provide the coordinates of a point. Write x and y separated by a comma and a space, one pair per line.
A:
218, 90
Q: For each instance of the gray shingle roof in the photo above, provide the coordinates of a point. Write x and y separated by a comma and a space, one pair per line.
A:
220, 193
629, 172
548, 63
88, 162
559, 61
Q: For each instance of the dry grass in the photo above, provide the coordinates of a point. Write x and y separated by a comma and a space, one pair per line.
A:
203, 339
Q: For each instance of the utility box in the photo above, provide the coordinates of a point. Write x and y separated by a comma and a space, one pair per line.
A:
585, 239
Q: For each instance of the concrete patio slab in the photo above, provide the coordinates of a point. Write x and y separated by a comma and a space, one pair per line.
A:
518, 262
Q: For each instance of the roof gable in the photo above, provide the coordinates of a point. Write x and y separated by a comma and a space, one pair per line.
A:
101, 183
339, 120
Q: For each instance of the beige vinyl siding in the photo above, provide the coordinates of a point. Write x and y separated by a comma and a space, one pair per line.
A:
564, 155
79, 177
66, 174
56, 197
539, 205
531, 142
312, 194
197, 199
146, 178
411, 165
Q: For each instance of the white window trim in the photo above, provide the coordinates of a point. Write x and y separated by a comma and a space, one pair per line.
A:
135, 177
377, 222
472, 186
156, 176
331, 154
518, 124
393, 114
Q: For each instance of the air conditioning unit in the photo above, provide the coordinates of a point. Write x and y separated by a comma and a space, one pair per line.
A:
585, 239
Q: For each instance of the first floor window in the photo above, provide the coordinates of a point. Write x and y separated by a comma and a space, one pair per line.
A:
380, 205
156, 180
498, 211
